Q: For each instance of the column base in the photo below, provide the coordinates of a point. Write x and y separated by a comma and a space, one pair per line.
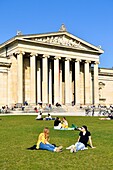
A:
19, 105
77, 105
68, 104
32, 104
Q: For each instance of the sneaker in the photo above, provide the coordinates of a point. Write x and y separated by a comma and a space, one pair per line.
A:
73, 149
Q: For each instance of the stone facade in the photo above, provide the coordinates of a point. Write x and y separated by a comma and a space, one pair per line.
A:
105, 86
53, 67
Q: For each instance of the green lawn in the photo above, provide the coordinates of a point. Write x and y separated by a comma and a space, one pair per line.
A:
17, 133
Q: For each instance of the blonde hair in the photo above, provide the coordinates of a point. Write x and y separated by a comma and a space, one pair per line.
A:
46, 132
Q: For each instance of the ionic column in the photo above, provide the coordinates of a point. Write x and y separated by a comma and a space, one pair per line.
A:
33, 79
91, 85
45, 79
38, 81
20, 77
71, 83
77, 82
56, 80
50, 82
67, 81
61, 82
87, 83
96, 89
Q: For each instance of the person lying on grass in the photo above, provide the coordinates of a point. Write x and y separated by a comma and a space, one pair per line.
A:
43, 142
81, 144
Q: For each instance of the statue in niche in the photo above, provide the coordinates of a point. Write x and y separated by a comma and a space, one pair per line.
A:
101, 86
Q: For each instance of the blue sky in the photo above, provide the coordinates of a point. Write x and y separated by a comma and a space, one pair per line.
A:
90, 20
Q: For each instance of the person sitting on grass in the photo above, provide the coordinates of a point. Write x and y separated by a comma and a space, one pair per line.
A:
43, 142
39, 117
57, 123
49, 117
81, 144
110, 117
64, 123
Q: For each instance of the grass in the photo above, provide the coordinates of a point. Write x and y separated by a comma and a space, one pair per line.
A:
17, 133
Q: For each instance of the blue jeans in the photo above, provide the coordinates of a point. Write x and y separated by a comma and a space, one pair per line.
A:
79, 146
48, 147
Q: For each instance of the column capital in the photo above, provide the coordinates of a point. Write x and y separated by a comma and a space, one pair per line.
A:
33, 54
96, 62
45, 56
57, 57
19, 52
66, 59
87, 61
77, 60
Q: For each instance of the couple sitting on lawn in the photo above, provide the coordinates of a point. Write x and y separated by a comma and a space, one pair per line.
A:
58, 124
63, 125
48, 117
84, 137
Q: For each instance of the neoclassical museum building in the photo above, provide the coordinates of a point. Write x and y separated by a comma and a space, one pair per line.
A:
53, 67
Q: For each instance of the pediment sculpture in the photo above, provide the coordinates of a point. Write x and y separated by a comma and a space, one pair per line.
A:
61, 40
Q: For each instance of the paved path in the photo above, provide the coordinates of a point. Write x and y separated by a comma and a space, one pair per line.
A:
52, 114
81, 113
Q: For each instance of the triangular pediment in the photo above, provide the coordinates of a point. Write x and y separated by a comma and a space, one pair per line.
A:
63, 39
60, 39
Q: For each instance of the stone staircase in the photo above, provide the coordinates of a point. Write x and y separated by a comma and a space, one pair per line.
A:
54, 109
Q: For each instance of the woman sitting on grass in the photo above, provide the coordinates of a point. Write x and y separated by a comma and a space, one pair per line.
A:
64, 123
84, 137
43, 142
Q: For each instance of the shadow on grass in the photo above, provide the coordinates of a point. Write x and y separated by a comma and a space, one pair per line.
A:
32, 148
